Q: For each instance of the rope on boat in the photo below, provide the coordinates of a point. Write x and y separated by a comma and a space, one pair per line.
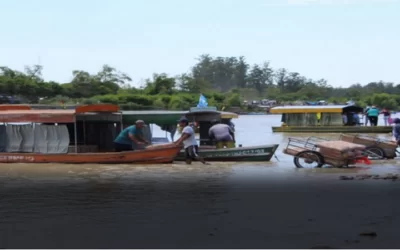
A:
276, 157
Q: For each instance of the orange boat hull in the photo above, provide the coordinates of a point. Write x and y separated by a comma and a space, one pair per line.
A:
151, 155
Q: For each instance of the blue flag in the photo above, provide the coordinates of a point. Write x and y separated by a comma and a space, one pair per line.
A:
202, 102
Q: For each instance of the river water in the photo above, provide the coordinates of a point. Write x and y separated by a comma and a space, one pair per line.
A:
223, 205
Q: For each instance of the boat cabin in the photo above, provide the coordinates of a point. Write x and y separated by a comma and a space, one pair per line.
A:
204, 116
330, 115
89, 128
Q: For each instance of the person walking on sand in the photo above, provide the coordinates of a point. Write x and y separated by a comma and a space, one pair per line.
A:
373, 114
386, 116
188, 139
129, 136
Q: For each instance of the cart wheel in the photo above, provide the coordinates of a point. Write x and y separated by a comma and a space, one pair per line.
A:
376, 153
309, 159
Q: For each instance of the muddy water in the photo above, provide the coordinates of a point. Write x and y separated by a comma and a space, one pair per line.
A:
229, 205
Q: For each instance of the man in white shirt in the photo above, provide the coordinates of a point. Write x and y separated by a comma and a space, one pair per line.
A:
188, 138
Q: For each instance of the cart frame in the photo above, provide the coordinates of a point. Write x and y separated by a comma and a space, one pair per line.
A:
376, 148
317, 150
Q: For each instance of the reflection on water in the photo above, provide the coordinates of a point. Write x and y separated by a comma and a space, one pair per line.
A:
64, 205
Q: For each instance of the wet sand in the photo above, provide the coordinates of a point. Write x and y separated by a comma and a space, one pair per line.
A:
224, 205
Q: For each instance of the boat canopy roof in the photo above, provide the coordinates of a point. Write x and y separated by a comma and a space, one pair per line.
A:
86, 112
210, 110
315, 109
15, 107
203, 115
158, 117
208, 115
169, 117
228, 115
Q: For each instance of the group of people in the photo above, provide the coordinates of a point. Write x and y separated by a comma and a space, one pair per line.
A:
132, 138
371, 115
353, 121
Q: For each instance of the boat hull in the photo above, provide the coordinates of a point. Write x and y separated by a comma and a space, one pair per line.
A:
259, 153
152, 155
334, 129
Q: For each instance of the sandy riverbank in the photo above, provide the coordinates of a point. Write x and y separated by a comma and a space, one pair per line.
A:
219, 206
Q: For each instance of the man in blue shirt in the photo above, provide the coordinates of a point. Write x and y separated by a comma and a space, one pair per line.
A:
131, 134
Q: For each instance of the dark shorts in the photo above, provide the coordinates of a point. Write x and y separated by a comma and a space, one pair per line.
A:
122, 147
373, 120
191, 152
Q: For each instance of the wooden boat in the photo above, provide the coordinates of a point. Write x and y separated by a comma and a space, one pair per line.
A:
81, 135
333, 129
207, 149
257, 153
167, 120
322, 119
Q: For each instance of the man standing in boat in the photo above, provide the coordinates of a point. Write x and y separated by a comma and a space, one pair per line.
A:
130, 135
223, 135
188, 138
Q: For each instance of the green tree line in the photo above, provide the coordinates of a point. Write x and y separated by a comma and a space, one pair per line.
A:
225, 81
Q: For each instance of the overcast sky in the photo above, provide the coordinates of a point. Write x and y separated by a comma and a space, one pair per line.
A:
342, 41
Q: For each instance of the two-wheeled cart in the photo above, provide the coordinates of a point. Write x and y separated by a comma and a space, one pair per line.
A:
376, 148
317, 152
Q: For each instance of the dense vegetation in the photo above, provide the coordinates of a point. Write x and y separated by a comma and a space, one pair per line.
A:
225, 81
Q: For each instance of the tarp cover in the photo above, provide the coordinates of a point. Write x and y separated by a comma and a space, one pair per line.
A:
14, 138
51, 139
28, 139
47, 139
